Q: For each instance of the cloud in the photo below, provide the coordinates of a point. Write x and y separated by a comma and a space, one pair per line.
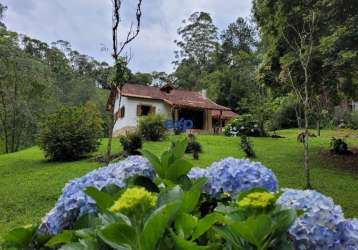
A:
86, 24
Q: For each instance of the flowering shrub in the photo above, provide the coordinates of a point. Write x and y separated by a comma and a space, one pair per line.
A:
160, 206
133, 199
233, 176
322, 226
74, 203
243, 125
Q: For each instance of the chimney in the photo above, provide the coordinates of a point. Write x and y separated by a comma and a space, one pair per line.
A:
204, 93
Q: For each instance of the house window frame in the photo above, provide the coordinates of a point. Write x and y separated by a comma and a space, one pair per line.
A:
151, 110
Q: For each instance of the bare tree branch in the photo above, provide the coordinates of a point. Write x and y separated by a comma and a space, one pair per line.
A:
132, 34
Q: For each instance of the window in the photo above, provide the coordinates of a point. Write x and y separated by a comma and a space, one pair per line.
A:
143, 110
121, 112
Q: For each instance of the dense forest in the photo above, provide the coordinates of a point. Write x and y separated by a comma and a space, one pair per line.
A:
250, 67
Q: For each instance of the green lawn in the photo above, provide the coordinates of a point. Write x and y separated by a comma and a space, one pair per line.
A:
30, 185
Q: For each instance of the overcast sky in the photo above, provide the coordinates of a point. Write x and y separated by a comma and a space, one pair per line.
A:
86, 24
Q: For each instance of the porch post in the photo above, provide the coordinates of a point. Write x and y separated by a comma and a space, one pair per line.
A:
220, 122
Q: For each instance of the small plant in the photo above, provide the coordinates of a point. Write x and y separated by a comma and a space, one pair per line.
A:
246, 146
339, 146
71, 133
131, 143
152, 128
194, 147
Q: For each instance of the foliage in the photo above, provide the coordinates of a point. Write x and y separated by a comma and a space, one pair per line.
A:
170, 166
131, 142
257, 222
247, 147
353, 120
73, 202
194, 147
198, 38
243, 125
339, 146
71, 133
285, 116
150, 212
152, 128
20, 187
36, 78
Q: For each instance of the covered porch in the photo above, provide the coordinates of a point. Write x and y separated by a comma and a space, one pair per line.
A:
205, 120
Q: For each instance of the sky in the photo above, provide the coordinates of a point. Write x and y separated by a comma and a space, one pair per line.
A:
86, 24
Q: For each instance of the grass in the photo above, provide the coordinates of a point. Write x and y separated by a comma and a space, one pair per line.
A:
30, 185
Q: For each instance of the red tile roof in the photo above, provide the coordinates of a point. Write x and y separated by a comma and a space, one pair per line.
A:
226, 114
176, 97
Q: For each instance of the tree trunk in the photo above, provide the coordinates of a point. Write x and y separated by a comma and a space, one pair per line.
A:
318, 123
306, 157
298, 116
110, 133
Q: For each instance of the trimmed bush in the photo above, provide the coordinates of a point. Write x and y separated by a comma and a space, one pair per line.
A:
339, 146
244, 124
152, 128
131, 143
71, 133
247, 147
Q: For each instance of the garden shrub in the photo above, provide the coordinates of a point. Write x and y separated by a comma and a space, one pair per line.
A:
194, 148
244, 124
247, 147
339, 146
71, 133
131, 142
152, 128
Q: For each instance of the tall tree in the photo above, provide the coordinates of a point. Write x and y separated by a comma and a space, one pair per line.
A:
121, 74
198, 38
239, 36
2, 11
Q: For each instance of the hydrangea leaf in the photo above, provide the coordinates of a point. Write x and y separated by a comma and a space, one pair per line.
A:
191, 197
179, 148
103, 200
154, 160
185, 224
64, 237
182, 244
179, 168
206, 223
156, 224
119, 236
21, 236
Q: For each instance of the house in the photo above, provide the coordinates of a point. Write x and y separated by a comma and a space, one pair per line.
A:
175, 104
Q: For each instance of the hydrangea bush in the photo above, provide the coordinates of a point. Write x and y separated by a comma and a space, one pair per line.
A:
74, 203
232, 176
170, 210
322, 226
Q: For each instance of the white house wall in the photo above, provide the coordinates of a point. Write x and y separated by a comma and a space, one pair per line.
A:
130, 115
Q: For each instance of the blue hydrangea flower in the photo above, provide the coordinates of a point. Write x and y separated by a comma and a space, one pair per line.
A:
74, 202
233, 176
348, 233
318, 227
